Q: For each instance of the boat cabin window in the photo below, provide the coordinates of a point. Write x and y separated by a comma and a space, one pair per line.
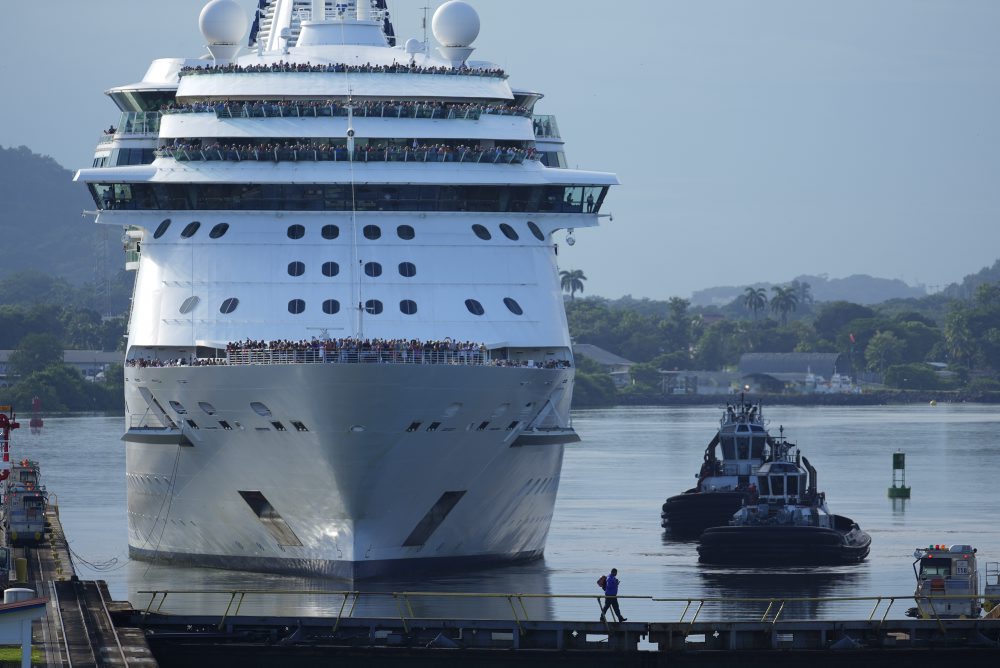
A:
936, 567
765, 488
777, 485
792, 485
757, 447
729, 447
743, 447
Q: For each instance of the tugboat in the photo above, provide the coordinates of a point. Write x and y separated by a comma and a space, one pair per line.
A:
723, 483
948, 583
788, 523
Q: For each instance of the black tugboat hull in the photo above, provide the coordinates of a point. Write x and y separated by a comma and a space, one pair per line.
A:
767, 545
689, 514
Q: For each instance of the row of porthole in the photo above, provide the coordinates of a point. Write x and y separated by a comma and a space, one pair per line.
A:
332, 306
372, 269
330, 232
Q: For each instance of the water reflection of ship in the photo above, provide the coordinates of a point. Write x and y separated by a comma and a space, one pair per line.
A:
736, 586
207, 593
36, 423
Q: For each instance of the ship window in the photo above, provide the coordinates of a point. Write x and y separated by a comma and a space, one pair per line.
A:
161, 229
373, 269
407, 269
408, 307
229, 306
331, 269
743, 447
296, 306
536, 231
372, 232
189, 304
177, 406
482, 232
299, 426
940, 566
777, 485
765, 489
475, 308
296, 268
405, 232
331, 307
270, 518
191, 423
296, 231
225, 425
373, 306
260, 409
207, 407
757, 447
793, 484
218, 230
513, 306
413, 426
729, 447
190, 230
433, 519
278, 426
508, 231
330, 231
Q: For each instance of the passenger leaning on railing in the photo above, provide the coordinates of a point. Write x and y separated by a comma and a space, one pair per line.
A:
367, 68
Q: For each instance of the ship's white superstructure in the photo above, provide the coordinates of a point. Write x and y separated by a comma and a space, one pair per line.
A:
347, 349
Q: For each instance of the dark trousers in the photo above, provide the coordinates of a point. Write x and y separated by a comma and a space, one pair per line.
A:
611, 602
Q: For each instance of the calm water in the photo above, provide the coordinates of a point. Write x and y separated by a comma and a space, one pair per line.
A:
608, 514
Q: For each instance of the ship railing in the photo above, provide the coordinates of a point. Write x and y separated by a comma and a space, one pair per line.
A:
414, 607
358, 357
338, 68
335, 110
306, 154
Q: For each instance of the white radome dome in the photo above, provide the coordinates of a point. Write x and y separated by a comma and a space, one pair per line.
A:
455, 23
414, 46
223, 22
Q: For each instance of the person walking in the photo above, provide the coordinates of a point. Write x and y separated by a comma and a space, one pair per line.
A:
611, 596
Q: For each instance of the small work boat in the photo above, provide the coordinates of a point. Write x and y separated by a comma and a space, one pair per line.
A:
723, 481
786, 521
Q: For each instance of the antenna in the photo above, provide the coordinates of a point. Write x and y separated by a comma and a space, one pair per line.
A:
427, 9
355, 256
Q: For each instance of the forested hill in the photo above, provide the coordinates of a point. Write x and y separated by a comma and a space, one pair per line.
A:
857, 289
41, 223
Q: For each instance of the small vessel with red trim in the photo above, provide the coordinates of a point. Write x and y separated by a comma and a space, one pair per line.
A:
723, 482
789, 522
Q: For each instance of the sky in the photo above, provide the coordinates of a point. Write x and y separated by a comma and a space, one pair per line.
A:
756, 140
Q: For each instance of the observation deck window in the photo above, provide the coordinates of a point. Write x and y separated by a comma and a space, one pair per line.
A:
475, 308
331, 269
405, 232
296, 231
190, 230
481, 232
229, 305
372, 232
296, 306
218, 230
513, 306
331, 307
296, 268
330, 232
161, 229
373, 269
545, 127
408, 307
373, 307
509, 232
407, 269
535, 230
189, 304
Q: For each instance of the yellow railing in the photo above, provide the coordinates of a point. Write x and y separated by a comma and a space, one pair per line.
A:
773, 607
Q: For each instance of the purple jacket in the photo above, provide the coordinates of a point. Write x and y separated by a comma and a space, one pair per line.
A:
611, 588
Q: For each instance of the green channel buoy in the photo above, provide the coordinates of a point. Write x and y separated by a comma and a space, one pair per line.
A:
899, 490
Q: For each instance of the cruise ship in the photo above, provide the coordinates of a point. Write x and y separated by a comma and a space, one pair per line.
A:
347, 350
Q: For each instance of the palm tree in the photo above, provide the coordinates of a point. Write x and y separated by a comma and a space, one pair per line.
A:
784, 301
755, 299
572, 281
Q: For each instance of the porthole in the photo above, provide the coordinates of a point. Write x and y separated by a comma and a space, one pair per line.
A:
373, 269
218, 230
189, 304
405, 232
190, 230
296, 268
372, 232
513, 306
407, 269
373, 306
508, 232
536, 231
482, 232
260, 409
475, 308
296, 231
161, 229
296, 306
330, 232
331, 307
229, 305
408, 307
331, 269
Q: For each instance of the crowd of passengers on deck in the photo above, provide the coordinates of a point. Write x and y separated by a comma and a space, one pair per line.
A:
316, 152
387, 351
367, 68
334, 108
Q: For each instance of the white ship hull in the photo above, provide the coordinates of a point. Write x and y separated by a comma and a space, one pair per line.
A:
353, 494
